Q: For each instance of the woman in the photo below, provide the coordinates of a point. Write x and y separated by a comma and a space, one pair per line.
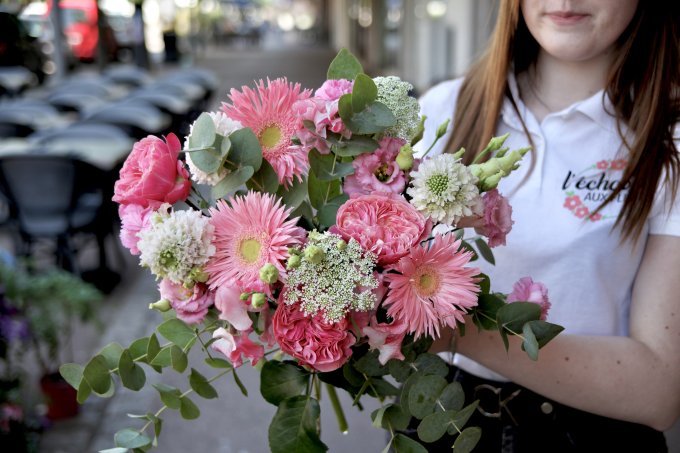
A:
592, 86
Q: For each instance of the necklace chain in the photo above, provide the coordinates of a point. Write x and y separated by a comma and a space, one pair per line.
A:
531, 80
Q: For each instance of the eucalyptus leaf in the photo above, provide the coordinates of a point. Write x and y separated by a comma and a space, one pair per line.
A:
467, 440
511, 317
232, 181
178, 359
484, 314
188, 410
115, 450
201, 386
355, 146
485, 250
434, 426
370, 365
345, 107
264, 180
131, 375
403, 444
294, 194
84, 391
177, 332
245, 149
529, 343
364, 92
431, 364
544, 331
423, 396
460, 418
218, 363
322, 191
96, 373
282, 380
294, 427
373, 119
153, 347
326, 167
344, 66
111, 353
328, 213
138, 349
72, 373
170, 396
202, 132
452, 397
130, 438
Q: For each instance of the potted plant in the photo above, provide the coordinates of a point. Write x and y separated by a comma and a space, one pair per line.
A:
51, 302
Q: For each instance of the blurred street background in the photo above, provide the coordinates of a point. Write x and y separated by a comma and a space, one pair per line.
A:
80, 82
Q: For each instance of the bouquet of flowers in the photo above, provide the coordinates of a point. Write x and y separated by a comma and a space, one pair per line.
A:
301, 234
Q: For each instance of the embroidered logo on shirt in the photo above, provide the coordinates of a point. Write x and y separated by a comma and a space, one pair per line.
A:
586, 190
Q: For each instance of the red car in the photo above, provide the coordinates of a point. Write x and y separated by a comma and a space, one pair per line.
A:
79, 19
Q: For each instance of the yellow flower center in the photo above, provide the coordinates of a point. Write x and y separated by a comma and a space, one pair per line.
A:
250, 250
427, 282
270, 136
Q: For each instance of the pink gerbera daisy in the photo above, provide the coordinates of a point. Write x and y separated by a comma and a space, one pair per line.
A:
268, 111
250, 232
432, 287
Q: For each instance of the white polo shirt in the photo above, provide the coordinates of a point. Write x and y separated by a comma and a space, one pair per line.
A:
577, 161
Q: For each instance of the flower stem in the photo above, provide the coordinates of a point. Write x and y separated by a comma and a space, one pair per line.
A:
339, 413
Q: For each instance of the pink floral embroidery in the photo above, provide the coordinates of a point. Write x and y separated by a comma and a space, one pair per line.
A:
572, 202
602, 165
581, 212
595, 217
619, 164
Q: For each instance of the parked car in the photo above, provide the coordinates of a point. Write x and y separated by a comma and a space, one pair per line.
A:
18, 47
38, 24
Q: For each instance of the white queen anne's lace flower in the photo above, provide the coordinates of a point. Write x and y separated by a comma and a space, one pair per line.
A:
393, 92
444, 190
223, 126
177, 245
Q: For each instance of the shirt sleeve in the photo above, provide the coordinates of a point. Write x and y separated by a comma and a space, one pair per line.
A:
437, 104
665, 215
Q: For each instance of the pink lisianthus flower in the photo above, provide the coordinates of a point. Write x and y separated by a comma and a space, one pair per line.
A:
384, 223
527, 290
334, 89
496, 222
152, 174
133, 219
190, 305
377, 171
235, 347
386, 338
311, 340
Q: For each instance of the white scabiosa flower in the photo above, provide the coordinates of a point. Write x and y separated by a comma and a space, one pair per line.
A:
177, 246
393, 92
445, 190
223, 126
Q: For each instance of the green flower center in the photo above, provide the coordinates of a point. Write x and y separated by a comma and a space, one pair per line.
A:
249, 249
427, 282
381, 173
437, 184
270, 136
168, 259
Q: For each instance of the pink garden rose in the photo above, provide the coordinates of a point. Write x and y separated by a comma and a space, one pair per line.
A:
386, 338
496, 222
311, 340
527, 290
191, 305
334, 89
152, 174
235, 347
133, 218
377, 171
384, 223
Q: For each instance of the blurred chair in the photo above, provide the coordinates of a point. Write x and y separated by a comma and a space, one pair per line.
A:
56, 198
137, 120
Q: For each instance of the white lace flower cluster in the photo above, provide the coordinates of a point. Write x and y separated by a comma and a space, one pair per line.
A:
177, 245
332, 277
393, 92
445, 190
223, 126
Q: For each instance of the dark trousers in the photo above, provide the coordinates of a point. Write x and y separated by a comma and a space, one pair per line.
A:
514, 419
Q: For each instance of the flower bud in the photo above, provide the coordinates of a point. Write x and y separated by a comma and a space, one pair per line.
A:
496, 142
258, 300
341, 245
293, 262
293, 251
441, 130
314, 254
162, 305
419, 131
458, 154
244, 296
198, 275
269, 273
490, 182
405, 157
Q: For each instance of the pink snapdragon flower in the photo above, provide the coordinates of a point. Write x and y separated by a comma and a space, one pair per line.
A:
190, 305
386, 338
311, 340
527, 290
133, 219
377, 171
496, 222
236, 347
152, 174
384, 223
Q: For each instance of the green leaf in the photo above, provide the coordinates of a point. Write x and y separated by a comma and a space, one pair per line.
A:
240, 385
202, 133
364, 92
218, 363
322, 191
452, 397
326, 167
264, 180
383, 387
130, 438
131, 375
529, 344
434, 426
424, 394
484, 314
170, 396
163, 358
115, 450
153, 348
396, 417
484, 284
72, 373
544, 331
96, 373
295, 194
344, 66
207, 160
355, 146
177, 332
84, 391
400, 369
328, 212
467, 440
232, 182
188, 410
374, 119
138, 349
345, 107
512, 317
282, 380
178, 359
406, 389
431, 364
403, 444
294, 427
245, 149
111, 353
305, 214
485, 250
460, 418
201, 386
370, 365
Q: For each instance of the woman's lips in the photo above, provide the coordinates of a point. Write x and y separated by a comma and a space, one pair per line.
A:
566, 17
